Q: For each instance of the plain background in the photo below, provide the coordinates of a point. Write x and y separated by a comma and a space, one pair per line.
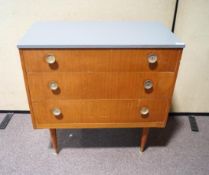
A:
192, 27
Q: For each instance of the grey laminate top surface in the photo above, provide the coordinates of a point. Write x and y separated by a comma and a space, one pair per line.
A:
99, 35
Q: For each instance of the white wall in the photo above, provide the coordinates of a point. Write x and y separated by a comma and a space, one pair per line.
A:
17, 16
192, 27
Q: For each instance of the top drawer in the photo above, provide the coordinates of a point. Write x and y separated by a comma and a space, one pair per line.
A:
101, 60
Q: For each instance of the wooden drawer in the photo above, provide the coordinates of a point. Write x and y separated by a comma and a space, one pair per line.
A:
99, 111
100, 85
101, 60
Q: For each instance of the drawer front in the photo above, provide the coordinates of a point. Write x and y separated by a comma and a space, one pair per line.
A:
99, 85
100, 60
100, 111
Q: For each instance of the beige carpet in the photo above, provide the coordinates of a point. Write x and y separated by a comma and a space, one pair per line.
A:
175, 150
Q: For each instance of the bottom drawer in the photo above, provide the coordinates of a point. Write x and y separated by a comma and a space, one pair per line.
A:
98, 111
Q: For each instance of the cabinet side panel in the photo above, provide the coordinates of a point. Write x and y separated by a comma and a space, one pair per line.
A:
27, 88
176, 71
175, 77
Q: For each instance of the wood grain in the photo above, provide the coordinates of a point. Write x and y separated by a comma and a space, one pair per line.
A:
53, 136
99, 88
99, 111
100, 85
102, 125
101, 60
174, 82
27, 88
144, 137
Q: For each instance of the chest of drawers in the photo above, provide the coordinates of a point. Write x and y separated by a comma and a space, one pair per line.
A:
99, 75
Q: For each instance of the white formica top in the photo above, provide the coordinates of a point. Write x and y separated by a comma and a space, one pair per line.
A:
99, 35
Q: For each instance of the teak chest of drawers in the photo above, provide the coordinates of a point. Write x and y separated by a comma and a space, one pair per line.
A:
99, 75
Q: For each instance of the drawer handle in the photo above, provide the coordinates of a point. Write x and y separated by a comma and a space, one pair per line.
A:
56, 112
148, 84
144, 111
152, 58
53, 85
50, 59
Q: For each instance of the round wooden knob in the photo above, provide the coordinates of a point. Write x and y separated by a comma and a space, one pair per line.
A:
56, 112
144, 111
148, 84
53, 85
50, 59
152, 58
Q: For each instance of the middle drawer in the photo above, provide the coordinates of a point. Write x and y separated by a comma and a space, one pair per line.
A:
100, 85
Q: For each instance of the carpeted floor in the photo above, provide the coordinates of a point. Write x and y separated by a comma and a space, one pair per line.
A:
175, 150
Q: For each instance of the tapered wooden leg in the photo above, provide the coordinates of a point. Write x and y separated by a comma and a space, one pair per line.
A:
53, 134
144, 136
